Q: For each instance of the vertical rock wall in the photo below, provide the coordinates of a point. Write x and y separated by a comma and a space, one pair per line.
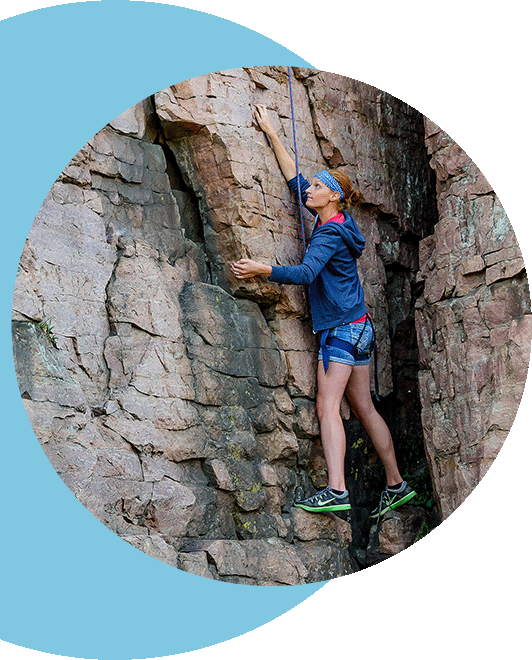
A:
177, 403
473, 324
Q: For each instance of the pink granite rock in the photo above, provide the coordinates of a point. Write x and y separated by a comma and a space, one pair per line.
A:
177, 403
400, 528
475, 290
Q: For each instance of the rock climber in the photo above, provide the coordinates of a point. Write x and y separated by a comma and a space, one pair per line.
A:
340, 316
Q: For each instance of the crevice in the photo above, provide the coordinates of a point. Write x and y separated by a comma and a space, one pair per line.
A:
79, 357
191, 219
401, 409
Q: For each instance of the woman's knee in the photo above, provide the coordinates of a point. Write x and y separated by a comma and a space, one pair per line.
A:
320, 407
362, 409
326, 407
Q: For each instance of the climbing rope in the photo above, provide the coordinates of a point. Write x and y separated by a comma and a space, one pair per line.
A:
297, 164
303, 225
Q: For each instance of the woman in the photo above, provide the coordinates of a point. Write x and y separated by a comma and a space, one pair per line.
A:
339, 314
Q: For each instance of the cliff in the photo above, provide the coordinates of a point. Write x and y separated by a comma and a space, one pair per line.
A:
177, 403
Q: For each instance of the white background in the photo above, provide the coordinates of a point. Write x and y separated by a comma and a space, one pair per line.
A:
463, 591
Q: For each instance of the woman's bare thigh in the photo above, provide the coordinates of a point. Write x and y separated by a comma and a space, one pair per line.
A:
358, 391
332, 385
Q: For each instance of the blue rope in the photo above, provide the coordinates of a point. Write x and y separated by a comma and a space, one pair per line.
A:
297, 164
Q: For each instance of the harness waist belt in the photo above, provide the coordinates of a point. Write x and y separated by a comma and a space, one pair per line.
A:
344, 345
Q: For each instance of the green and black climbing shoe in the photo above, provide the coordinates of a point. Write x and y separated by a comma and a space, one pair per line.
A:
391, 498
325, 500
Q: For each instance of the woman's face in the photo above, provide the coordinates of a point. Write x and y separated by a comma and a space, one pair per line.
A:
319, 196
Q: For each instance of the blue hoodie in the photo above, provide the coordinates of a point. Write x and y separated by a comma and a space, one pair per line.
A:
330, 270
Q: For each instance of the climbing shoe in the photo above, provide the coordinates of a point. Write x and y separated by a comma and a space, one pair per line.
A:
324, 500
391, 498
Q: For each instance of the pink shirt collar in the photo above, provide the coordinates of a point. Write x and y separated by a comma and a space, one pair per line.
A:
336, 218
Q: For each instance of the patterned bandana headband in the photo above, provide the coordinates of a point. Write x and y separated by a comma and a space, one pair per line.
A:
330, 182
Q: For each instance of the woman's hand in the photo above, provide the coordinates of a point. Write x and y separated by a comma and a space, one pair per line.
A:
286, 162
263, 120
246, 268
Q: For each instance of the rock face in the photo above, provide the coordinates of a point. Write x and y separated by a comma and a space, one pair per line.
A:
473, 325
177, 403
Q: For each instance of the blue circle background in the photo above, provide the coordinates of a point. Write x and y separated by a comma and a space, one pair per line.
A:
69, 585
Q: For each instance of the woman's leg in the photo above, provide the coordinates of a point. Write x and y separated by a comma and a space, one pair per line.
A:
331, 387
359, 396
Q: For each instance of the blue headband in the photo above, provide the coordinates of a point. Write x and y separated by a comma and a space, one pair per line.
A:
330, 182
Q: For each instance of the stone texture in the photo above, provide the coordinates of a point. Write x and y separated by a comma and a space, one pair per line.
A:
473, 368
177, 403
397, 530
154, 546
310, 527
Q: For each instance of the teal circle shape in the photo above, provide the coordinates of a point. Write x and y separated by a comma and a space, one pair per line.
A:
70, 586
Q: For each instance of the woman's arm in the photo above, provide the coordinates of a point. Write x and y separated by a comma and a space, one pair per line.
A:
286, 162
318, 254
246, 268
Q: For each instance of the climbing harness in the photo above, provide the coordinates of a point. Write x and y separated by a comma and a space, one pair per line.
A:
297, 163
327, 340
375, 370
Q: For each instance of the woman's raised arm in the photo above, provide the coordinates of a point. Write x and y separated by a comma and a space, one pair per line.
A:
286, 162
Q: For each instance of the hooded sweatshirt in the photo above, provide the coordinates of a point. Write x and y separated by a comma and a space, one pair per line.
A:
330, 270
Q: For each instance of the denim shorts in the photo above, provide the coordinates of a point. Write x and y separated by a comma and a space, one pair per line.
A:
351, 332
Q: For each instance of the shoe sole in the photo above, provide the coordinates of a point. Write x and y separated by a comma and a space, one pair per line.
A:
319, 509
395, 505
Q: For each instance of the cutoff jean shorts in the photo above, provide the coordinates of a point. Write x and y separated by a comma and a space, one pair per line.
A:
351, 332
